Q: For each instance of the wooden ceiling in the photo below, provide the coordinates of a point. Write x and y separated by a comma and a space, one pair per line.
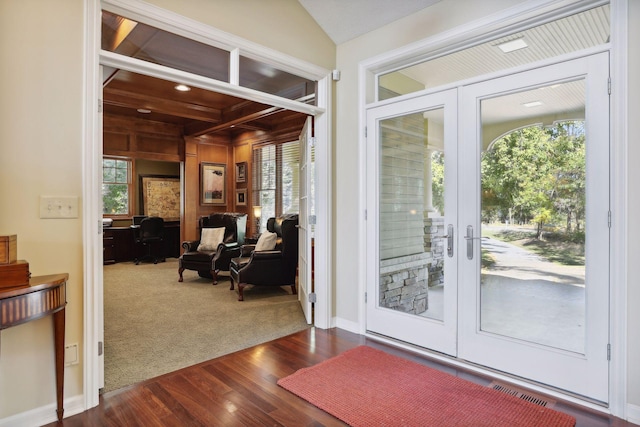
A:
198, 111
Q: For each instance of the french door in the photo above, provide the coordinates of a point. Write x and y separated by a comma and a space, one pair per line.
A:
412, 295
523, 188
305, 283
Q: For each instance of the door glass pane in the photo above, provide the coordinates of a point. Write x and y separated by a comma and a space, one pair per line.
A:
137, 40
412, 214
570, 34
267, 78
533, 215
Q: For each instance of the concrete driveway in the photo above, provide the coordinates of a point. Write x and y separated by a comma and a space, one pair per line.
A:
524, 296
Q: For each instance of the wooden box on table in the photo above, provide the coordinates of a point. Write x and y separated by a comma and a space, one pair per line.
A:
8, 249
14, 274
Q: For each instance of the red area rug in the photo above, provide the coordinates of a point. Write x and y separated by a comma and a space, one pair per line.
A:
368, 387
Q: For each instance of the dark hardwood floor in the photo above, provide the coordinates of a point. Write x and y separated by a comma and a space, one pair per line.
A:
240, 389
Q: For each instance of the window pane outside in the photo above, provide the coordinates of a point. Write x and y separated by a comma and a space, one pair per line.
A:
276, 178
115, 186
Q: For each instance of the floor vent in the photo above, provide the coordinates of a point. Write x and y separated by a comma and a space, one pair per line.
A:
523, 394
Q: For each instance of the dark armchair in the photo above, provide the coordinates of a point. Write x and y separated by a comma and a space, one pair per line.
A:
208, 263
275, 267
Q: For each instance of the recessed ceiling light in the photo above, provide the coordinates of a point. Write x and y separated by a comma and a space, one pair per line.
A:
143, 111
183, 88
532, 104
513, 45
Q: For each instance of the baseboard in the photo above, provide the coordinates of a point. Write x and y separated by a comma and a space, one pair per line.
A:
633, 413
45, 414
348, 325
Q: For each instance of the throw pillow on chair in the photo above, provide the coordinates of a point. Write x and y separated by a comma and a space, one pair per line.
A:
266, 241
211, 238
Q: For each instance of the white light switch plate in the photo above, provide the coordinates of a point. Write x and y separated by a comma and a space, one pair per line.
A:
58, 207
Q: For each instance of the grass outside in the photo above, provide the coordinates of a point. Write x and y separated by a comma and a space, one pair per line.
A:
555, 246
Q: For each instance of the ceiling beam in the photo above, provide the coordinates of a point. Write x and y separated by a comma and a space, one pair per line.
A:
235, 116
122, 98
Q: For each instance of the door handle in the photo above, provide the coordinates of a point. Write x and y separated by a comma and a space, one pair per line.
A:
469, 238
449, 237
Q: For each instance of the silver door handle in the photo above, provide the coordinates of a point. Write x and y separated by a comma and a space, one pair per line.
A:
449, 237
469, 238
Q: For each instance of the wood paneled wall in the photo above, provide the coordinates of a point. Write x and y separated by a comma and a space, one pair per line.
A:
144, 139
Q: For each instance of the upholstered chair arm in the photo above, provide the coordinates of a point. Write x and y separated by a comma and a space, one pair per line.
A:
247, 250
190, 245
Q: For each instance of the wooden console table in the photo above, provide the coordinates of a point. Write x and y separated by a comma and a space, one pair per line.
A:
43, 296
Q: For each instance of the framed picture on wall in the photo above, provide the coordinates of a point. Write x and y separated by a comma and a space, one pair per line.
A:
241, 172
241, 197
160, 196
213, 183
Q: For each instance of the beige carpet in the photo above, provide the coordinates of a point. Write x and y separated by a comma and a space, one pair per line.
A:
153, 324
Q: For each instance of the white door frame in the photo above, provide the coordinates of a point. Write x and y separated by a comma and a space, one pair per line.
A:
507, 21
92, 155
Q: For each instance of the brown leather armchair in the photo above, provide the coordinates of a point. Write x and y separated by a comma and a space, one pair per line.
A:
210, 263
277, 267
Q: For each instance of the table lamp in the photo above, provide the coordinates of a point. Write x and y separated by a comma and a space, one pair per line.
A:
257, 213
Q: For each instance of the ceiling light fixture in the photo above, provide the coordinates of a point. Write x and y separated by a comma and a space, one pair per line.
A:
532, 104
512, 45
143, 111
183, 88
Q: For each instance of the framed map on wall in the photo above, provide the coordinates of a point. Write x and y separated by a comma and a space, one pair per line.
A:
160, 196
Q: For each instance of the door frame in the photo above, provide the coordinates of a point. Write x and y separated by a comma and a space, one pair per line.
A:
92, 157
529, 14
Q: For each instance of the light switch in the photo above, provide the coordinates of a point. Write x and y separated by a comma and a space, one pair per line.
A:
58, 207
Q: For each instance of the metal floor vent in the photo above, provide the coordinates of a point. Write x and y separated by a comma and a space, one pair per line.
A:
523, 394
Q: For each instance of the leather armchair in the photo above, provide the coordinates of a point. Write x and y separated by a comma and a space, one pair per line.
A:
210, 263
269, 268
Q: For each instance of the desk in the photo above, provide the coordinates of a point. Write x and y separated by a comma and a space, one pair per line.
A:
43, 296
119, 246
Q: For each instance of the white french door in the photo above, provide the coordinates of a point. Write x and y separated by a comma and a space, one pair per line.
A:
516, 163
304, 232
530, 316
412, 295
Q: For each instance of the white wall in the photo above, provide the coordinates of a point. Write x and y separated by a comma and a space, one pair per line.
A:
40, 154
41, 131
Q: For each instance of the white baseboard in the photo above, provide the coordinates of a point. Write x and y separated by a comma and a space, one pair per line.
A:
348, 325
45, 414
633, 413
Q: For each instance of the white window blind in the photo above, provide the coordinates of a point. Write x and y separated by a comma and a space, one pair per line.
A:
275, 183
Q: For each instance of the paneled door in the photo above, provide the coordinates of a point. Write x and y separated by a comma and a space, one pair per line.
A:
534, 209
411, 224
304, 232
